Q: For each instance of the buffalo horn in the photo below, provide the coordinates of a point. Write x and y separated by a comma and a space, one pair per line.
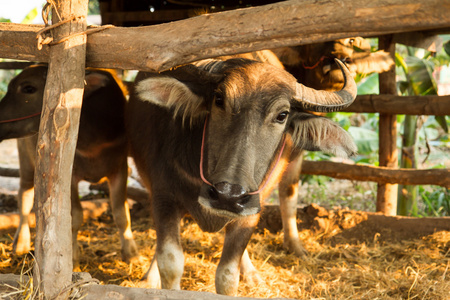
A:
324, 101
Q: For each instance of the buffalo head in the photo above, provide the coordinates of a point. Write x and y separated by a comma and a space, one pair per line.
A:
253, 119
315, 65
20, 108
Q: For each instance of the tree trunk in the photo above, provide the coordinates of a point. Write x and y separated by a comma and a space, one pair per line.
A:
55, 151
387, 193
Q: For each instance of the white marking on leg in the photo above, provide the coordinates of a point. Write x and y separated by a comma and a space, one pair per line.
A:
227, 278
152, 277
171, 265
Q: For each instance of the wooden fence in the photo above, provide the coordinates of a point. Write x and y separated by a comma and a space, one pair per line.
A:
71, 46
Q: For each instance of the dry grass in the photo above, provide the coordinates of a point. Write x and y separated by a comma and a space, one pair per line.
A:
416, 269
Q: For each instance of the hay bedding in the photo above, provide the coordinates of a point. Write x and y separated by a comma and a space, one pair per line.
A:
338, 267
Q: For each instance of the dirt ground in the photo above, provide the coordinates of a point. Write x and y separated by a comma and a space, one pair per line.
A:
352, 254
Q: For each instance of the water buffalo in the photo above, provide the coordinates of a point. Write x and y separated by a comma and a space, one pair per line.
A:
212, 139
315, 66
101, 149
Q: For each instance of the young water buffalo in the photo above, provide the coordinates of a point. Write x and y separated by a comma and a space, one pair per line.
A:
315, 66
101, 148
212, 139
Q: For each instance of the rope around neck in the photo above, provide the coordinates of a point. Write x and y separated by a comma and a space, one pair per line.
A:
21, 118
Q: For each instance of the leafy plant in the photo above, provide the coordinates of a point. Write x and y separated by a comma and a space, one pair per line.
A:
437, 202
30, 16
415, 68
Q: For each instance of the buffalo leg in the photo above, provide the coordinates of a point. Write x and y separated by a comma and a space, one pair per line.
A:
22, 237
121, 212
169, 253
77, 221
151, 277
237, 236
248, 271
288, 191
26, 148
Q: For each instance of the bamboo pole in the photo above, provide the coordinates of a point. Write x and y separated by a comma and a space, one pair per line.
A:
56, 148
388, 157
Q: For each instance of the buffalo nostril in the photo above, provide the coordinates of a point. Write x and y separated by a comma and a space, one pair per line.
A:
241, 202
244, 200
212, 193
228, 190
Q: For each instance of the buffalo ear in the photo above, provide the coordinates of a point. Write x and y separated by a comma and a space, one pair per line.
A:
366, 62
315, 133
95, 81
172, 94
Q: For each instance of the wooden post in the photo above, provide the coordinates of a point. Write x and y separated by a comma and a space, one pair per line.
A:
55, 150
387, 193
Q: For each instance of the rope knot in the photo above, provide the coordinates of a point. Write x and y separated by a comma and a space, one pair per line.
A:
44, 36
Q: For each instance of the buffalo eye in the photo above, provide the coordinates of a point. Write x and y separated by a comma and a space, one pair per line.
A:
282, 116
218, 99
28, 89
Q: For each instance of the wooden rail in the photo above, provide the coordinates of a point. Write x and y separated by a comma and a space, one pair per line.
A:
402, 105
159, 47
439, 177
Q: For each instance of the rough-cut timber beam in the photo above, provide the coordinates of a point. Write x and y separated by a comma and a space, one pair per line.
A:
286, 23
407, 105
378, 174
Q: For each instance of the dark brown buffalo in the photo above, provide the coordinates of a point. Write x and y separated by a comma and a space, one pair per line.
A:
212, 140
101, 149
315, 66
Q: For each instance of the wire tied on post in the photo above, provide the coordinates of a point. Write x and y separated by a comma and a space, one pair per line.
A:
44, 36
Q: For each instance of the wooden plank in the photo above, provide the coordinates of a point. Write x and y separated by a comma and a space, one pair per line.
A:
14, 65
106, 292
88, 288
9, 172
159, 47
92, 209
55, 151
388, 154
407, 105
439, 177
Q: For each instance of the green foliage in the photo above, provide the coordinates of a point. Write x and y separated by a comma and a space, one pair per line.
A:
367, 142
446, 47
5, 20
368, 85
30, 16
93, 7
5, 78
437, 201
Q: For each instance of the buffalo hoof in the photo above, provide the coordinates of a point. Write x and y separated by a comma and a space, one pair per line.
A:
22, 242
129, 251
295, 247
